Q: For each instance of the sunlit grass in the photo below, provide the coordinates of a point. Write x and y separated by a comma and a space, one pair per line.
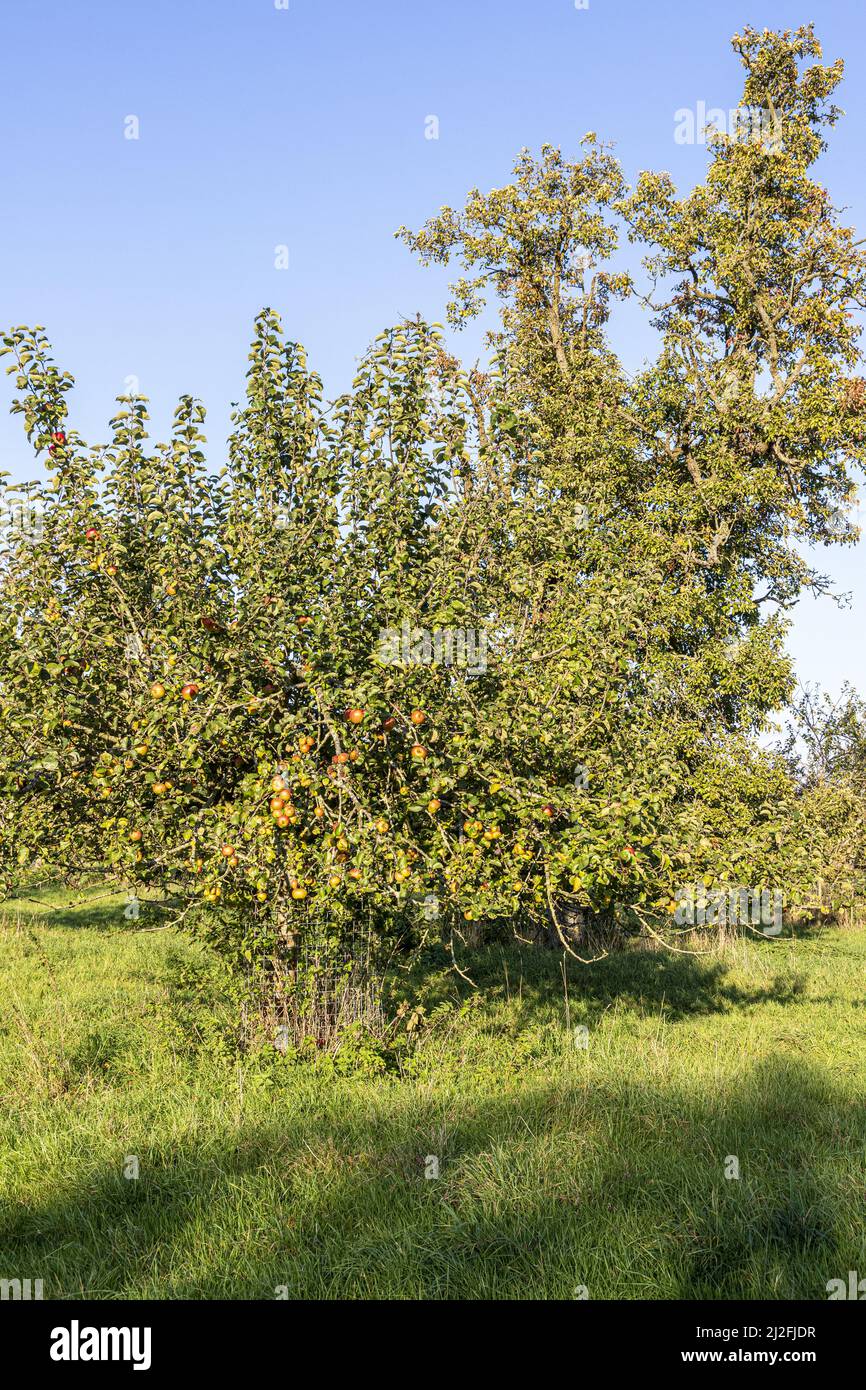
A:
559, 1166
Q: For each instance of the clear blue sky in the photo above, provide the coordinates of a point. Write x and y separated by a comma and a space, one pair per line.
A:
305, 127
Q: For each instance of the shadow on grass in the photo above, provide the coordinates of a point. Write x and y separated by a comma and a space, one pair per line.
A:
680, 986
73, 908
538, 1192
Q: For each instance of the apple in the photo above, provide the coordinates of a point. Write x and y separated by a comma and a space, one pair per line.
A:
334, 881
92, 533
283, 821
227, 851
433, 805
355, 716
548, 811
209, 624
354, 873
189, 691
388, 724
157, 690
135, 836
419, 751
382, 826
299, 893
418, 717
59, 437
278, 784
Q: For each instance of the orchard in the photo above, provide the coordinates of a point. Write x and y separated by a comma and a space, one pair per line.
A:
194, 692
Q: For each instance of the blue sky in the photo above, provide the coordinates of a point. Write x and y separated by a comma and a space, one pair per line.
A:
304, 127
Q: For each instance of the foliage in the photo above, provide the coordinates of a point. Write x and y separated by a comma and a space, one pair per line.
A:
196, 684
825, 749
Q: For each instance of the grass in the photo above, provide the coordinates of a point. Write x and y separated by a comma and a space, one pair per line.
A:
559, 1166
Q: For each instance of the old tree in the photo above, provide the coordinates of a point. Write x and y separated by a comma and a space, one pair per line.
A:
194, 692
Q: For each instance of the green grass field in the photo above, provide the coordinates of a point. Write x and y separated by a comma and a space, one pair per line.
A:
559, 1166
